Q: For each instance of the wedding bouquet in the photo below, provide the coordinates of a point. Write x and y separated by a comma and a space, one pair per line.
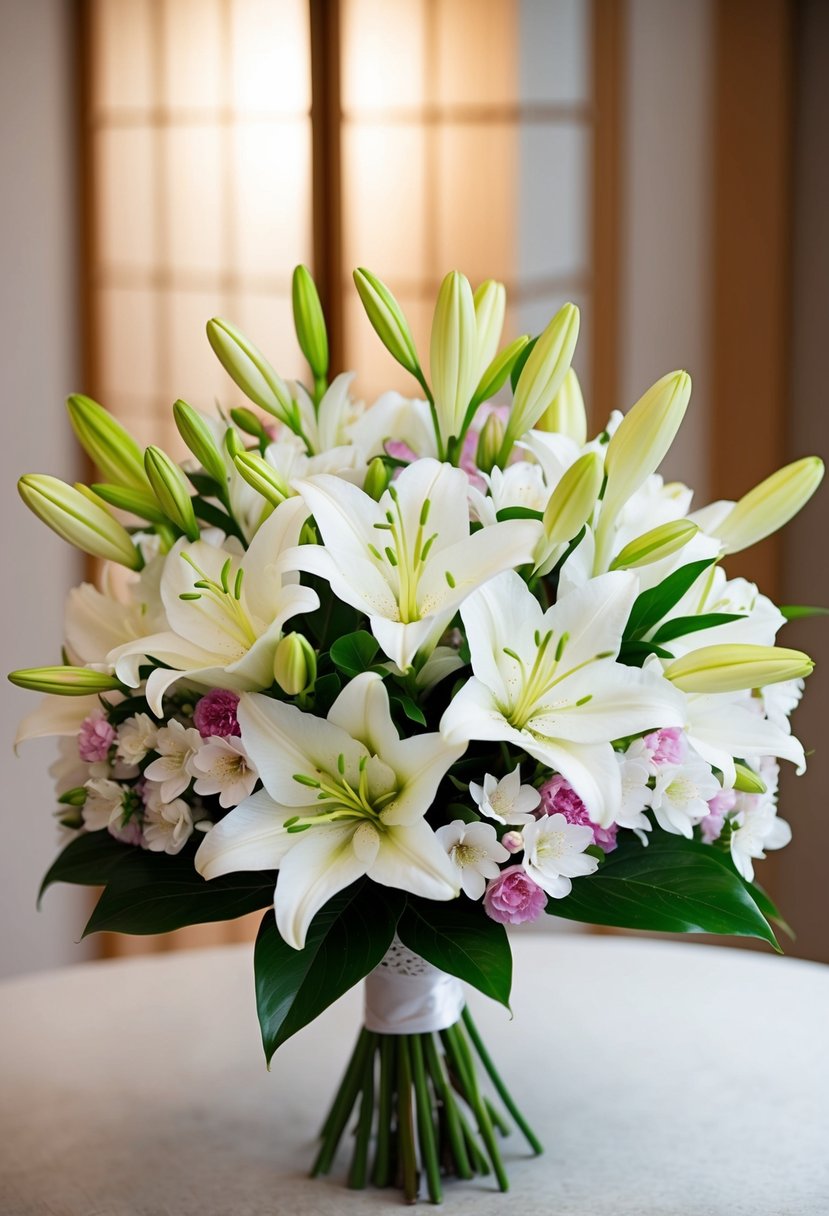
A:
404, 675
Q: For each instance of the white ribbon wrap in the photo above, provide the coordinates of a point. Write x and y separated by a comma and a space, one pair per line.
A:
406, 995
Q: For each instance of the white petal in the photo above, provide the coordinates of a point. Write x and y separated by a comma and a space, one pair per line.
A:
362, 709
593, 616
591, 769
56, 715
420, 762
720, 730
411, 858
251, 837
502, 613
475, 560
623, 701
320, 865
344, 515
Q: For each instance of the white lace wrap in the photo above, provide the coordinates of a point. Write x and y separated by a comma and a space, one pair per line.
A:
407, 995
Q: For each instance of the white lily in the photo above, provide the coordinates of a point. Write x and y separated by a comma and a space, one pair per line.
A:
759, 829
548, 682
344, 797
225, 612
723, 727
408, 560
554, 853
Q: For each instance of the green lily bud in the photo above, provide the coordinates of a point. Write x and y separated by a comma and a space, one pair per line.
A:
65, 681
250, 370
495, 376
490, 300
109, 446
771, 504
81, 522
453, 353
247, 421
489, 443
137, 502
654, 545
377, 479
572, 501
233, 444
747, 781
200, 440
387, 319
566, 415
170, 488
542, 375
263, 477
309, 322
736, 667
294, 664
75, 797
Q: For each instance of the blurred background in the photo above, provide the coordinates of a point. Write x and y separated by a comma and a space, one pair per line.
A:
662, 163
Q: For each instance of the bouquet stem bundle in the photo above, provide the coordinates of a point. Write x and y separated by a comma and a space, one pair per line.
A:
420, 1100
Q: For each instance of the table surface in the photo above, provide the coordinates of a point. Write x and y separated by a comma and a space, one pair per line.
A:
662, 1078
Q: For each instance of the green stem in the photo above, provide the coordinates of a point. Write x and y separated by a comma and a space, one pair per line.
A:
478, 1159
359, 1162
425, 1125
477, 1104
343, 1104
349, 1076
382, 1160
443, 1089
497, 1119
501, 1089
405, 1120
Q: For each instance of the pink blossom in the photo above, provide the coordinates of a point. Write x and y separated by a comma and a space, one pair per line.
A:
718, 808
95, 738
666, 746
513, 842
215, 714
559, 798
513, 897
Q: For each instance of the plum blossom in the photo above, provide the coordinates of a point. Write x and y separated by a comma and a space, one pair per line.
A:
554, 853
223, 767
513, 898
507, 801
176, 745
474, 849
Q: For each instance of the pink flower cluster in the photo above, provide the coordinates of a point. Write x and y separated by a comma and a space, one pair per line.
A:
667, 746
215, 714
95, 738
559, 798
513, 897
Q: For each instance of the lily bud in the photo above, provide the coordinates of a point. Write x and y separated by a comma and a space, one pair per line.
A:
65, 681
250, 370
107, 444
639, 444
747, 781
263, 477
386, 316
294, 664
309, 322
126, 499
771, 504
74, 797
200, 440
377, 479
573, 499
170, 488
233, 444
247, 421
490, 301
542, 374
566, 415
82, 523
489, 443
654, 545
736, 667
453, 353
495, 376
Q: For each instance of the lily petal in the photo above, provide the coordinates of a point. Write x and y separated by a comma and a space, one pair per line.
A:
412, 858
250, 837
322, 863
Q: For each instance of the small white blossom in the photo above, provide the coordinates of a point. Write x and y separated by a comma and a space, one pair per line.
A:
635, 771
507, 800
136, 737
681, 794
167, 825
554, 853
759, 830
106, 807
223, 767
780, 701
176, 745
475, 850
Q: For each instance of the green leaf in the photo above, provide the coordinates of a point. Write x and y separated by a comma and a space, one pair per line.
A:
346, 940
326, 691
672, 885
795, 612
355, 652
156, 893
682, 625
410, 707
88, 861
650, 607
633, 654
518, 513
210, 514
459, 938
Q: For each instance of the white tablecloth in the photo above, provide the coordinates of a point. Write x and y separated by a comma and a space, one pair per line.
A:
662, 1079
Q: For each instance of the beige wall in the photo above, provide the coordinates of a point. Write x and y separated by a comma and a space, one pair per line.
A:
38, 338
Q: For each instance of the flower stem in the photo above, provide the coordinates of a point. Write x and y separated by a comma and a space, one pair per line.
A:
343, 1103
467, 1071
495, 1077
405, 1120
348, 1079
443, 1089
381, 1175
425, 1124
359, 1162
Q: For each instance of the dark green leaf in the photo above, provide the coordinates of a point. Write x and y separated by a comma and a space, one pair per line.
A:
346, 940
355, 652
88, 861
794, 612
681, 625
326, 691
518, 365
156, 893
673, 885
217, 518
650, 607
459, 938
518, 513
333, 619
633, 654
410, 707
203, 484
